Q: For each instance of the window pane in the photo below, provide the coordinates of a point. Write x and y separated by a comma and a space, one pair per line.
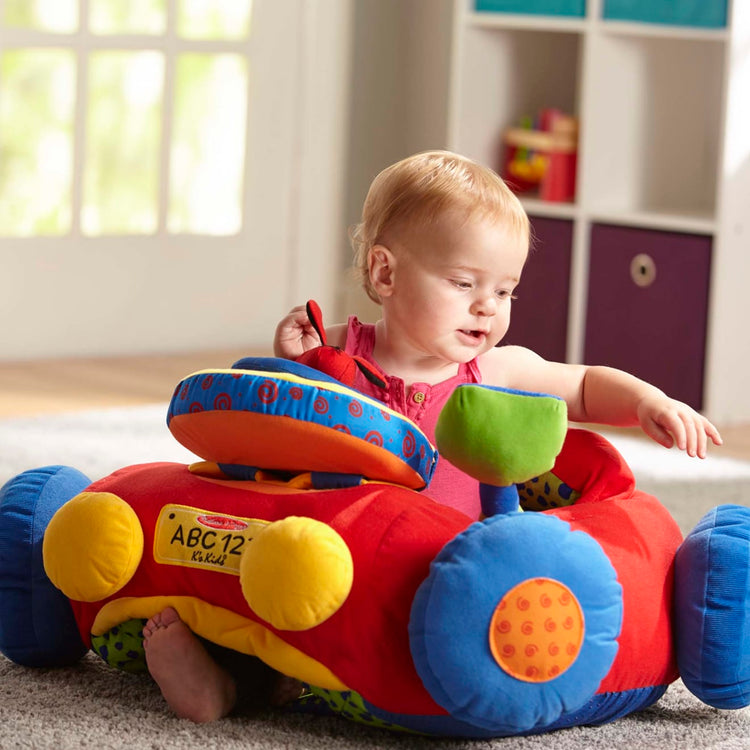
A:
59, 16
214, 19
121, 175
127, 16
36, 141
208, 144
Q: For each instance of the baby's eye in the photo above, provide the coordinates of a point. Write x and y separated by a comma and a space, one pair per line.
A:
505, 294
460, 284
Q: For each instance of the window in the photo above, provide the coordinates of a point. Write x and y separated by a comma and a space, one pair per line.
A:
170, 171
123, 117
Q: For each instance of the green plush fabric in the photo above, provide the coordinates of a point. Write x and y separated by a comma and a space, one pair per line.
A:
546, 491
501, 436
122, 647
347, 703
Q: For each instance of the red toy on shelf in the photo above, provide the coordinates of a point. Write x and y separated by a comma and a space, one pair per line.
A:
543, 158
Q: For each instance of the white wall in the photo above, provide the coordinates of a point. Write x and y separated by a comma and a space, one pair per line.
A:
400, 70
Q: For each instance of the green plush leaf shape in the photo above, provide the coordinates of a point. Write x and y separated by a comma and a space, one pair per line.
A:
501, 436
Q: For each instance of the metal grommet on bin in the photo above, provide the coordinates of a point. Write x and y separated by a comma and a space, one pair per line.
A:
643, 270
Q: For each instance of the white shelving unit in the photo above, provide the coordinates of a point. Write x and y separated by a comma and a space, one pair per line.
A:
664, 145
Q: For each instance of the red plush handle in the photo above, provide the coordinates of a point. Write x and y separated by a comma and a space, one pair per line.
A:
316, 319
315, 316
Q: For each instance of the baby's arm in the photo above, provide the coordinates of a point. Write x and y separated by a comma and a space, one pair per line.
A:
611, 396
603, 395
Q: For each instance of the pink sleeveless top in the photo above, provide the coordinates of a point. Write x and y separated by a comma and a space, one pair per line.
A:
422, 404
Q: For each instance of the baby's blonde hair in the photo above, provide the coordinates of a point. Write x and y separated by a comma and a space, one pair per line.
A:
422, 187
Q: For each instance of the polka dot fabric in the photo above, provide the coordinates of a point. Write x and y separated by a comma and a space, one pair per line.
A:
122, 646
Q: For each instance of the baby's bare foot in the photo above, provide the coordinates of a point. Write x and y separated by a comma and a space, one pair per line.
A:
192, 683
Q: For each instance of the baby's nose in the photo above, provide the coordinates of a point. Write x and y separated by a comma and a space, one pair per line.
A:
485, 305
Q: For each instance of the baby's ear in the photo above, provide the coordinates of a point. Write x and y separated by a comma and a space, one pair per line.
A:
380, 263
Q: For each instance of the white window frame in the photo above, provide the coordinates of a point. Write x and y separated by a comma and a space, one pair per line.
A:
80, 295
82, 43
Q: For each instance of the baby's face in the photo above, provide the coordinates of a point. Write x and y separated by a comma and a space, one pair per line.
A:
454, 284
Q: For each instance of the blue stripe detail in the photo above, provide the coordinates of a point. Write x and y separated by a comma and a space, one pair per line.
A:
276, 365
512, 391
239, 471
327, 480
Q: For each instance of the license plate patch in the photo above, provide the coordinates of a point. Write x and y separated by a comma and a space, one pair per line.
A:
203, 539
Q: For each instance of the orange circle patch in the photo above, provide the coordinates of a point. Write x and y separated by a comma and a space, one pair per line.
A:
537, 630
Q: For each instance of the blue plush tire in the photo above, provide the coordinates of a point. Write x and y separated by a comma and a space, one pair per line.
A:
37, 628
712, 608
453, 612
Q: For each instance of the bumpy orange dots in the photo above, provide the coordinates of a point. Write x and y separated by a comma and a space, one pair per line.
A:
537, 630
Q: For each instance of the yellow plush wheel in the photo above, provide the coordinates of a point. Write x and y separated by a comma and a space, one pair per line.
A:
296, 573
93, 546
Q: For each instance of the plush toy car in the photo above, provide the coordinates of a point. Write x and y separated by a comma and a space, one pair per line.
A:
302, 538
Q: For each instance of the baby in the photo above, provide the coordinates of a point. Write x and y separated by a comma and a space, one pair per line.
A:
441, 248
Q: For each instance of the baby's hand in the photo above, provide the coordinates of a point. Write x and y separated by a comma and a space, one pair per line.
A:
295, 335
671, 422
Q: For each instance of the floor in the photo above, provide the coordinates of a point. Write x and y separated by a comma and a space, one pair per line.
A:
53, 386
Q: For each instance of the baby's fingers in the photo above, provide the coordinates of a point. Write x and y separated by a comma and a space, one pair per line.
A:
675, 423
697, 431
695, 439
658, 433
712, 432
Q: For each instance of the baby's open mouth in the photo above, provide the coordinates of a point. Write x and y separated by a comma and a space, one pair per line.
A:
473, 334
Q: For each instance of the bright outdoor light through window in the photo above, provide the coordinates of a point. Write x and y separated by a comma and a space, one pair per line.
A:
117, 119
37, 99
208, 144
128, 16
121, 174
214, 19
56, 16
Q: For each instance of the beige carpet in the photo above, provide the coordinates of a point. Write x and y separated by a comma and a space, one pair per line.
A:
93, 706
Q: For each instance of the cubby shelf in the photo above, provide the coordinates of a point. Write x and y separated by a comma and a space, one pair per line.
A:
631, 28
488, 20
664, 148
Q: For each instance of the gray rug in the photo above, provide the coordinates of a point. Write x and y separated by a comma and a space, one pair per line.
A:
90, 705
